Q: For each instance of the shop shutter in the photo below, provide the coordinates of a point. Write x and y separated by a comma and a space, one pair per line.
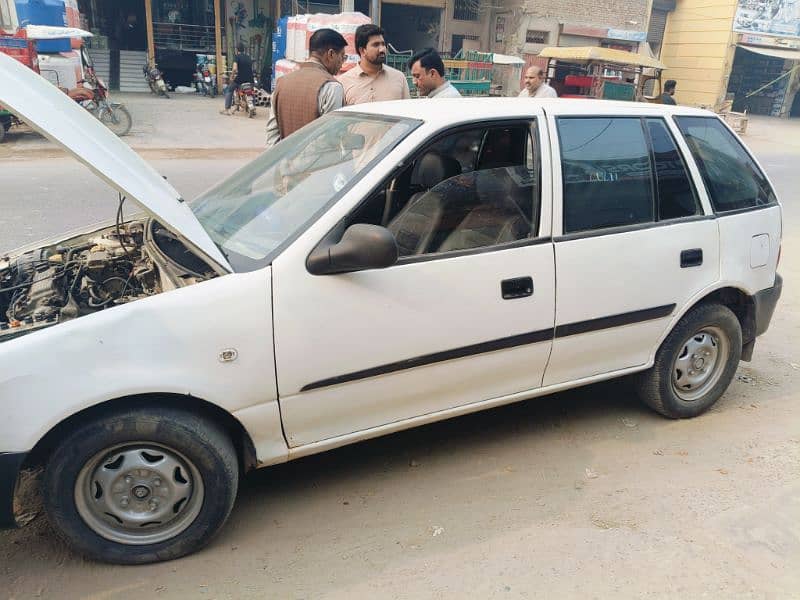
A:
658, 23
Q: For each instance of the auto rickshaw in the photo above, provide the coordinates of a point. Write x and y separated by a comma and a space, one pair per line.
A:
595, 72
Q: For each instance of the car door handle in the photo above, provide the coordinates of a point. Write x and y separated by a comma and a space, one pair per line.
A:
691, 258
519, 287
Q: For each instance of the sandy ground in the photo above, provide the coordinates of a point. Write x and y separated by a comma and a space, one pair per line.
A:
584, 494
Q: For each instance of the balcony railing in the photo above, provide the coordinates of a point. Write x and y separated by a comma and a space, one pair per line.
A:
180, 36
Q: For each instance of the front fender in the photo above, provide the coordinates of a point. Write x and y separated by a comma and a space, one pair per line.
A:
178, 342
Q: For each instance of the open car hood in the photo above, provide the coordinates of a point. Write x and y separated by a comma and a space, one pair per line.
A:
53, 114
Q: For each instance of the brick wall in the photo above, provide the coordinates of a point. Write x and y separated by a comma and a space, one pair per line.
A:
548, 15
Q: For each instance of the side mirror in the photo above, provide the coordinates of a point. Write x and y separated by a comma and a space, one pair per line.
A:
362, 247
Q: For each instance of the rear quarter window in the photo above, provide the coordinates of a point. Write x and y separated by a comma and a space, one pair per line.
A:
731, 176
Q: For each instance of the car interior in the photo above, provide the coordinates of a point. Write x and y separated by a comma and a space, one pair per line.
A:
472, 188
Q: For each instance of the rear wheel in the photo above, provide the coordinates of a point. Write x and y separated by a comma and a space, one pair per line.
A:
117, 119
695, 364
141, 486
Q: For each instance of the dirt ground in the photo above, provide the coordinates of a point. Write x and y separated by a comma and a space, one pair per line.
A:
585, 494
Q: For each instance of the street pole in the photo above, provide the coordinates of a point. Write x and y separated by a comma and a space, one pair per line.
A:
347, 5
151, 46
375, 11
218, 41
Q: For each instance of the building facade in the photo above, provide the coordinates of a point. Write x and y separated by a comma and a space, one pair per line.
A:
739, 53
524, 27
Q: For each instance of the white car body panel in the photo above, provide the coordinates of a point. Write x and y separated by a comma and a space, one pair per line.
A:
171, 342
376, 318
53, 114
168, 343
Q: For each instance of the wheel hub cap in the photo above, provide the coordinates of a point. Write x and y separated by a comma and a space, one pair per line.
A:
699, 363
139, 494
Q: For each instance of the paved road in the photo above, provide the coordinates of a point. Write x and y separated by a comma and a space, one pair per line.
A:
577, 495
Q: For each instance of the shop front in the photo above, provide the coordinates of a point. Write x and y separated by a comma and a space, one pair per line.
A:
764, 79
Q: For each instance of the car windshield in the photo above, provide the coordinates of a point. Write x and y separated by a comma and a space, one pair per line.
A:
257, 210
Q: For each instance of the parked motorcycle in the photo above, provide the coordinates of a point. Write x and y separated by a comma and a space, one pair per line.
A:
245, 99
204, 82
92, 94
155, 79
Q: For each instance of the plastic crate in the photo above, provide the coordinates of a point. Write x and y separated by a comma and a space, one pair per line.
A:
472, 88
618, 91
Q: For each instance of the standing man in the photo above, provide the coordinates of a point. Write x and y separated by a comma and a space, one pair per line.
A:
427, 71
242, 73
311, 91
535, 86
371, 80
669, 92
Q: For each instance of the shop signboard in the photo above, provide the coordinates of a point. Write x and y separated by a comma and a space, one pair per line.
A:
766, 40
628, 36
772, 17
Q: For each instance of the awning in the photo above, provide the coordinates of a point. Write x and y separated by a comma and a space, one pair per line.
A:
774, 52
597, 54
46, 32
505, 59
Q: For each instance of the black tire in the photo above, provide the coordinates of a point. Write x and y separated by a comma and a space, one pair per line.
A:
2, 132
660, 387
153, 87
203, 446
165, 94
117, 120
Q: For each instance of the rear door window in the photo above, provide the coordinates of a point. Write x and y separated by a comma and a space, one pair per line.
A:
731, 176
607, 174
676, 196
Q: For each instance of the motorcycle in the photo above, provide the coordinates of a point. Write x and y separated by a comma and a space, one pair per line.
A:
204, 82
93, 96
245, 99
155, 79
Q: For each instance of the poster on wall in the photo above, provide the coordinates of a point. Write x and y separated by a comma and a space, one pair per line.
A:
774, 17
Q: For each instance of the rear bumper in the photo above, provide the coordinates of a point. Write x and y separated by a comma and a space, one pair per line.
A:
764, 303
10, 463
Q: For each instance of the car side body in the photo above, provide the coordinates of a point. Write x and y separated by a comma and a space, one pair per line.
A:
291, 363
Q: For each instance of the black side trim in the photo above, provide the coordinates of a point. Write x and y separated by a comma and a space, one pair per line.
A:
627, 228
637, 316
407, 260
523, 339
10, 463
746, 209
513, 341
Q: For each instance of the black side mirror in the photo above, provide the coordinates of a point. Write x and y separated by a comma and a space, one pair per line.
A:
362, 247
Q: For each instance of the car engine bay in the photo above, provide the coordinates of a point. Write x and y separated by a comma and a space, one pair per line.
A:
92, 272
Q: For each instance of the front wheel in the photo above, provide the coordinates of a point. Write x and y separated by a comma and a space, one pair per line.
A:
695, 364
144, 485
117, 119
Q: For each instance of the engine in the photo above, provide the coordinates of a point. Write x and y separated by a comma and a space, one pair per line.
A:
87, 274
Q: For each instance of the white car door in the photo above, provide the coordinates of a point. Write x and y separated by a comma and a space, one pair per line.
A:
637, 241
465, 315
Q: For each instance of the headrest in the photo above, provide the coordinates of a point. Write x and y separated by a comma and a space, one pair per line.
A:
433, 168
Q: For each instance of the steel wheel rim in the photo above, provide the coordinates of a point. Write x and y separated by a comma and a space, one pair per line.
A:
700, 363
139, 493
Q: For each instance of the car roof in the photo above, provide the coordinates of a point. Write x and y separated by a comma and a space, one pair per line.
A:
446, 111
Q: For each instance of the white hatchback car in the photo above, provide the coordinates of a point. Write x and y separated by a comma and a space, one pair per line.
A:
387, 266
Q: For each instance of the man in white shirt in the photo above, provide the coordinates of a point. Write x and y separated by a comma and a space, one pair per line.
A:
427, 71
535, 86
